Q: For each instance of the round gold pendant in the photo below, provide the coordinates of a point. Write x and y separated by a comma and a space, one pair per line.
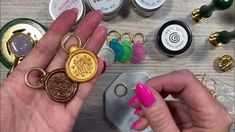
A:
82, 65
59, 87
225, 63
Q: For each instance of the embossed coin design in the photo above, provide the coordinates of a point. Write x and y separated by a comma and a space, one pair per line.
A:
81, 65
58, 86
225, 63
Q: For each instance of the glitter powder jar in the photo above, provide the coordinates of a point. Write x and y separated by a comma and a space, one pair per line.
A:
174, 37
146, 8
56, 7
110, 8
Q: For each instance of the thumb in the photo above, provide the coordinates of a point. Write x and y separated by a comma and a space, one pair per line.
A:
155, 109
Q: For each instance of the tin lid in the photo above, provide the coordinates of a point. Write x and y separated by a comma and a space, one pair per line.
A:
148, 5
108, 7
56, 7
25, 28
174, 37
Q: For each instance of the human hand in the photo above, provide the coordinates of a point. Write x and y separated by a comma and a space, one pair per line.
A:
195, 111
26, 109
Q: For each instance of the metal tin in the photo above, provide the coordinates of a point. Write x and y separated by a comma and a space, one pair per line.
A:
26, 26
56, 7
174, 37
117, 96
146, 8
110, 8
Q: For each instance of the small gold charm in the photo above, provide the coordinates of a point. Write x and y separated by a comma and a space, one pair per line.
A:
196, 16
56, 83
225, 63
213, 39
82, 65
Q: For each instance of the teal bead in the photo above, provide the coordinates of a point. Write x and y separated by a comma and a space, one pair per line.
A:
118, 49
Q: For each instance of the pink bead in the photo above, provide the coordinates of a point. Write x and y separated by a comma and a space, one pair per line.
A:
139, 53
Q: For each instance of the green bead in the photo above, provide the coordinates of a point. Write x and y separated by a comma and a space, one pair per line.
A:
207, 10
225, 36
128, 52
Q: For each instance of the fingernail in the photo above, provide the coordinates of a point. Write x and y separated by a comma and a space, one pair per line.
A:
137, 111
75, 10
144, 95
135, 124
132, 101
105, 66
100, 12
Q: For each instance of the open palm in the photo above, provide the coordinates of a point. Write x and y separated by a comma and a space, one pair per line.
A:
26, 109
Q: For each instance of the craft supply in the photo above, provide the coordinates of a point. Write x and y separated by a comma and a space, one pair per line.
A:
56, 83
139, 51
117, 96
200, 14
220, 38
107, 54
56, 7
81, 65
128, 51
146, 8
17, 38
225, 63
118, 49
110, 8
174, 37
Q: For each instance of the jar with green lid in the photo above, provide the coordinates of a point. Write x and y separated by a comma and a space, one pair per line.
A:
17, 38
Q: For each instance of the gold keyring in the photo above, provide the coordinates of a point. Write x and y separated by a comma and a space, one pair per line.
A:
65, 39
129, 35
106, 42
115, 90
27, 75
117, 34
142, 36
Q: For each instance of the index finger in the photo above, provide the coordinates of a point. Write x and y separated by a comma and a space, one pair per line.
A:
45, 49
186, 85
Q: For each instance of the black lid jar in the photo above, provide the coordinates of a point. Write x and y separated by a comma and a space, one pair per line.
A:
174, 37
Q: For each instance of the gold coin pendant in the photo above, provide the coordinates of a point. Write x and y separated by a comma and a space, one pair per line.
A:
82, 65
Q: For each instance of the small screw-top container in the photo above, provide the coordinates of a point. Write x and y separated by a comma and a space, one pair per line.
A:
56, 7
17, 38
110, 8
174, 37
146, 8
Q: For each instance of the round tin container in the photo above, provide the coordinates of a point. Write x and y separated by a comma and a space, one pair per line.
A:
146, 8
110, 8
21, 26
174, 37
56, 7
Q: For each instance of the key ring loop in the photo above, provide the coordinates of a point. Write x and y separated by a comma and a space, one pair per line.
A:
27, 76
65, 39
130, 37
120, 94
115, 32
141, 35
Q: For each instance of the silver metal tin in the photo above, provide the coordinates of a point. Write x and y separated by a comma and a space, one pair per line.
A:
116, 107
146, 8
56, 7
110, 8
